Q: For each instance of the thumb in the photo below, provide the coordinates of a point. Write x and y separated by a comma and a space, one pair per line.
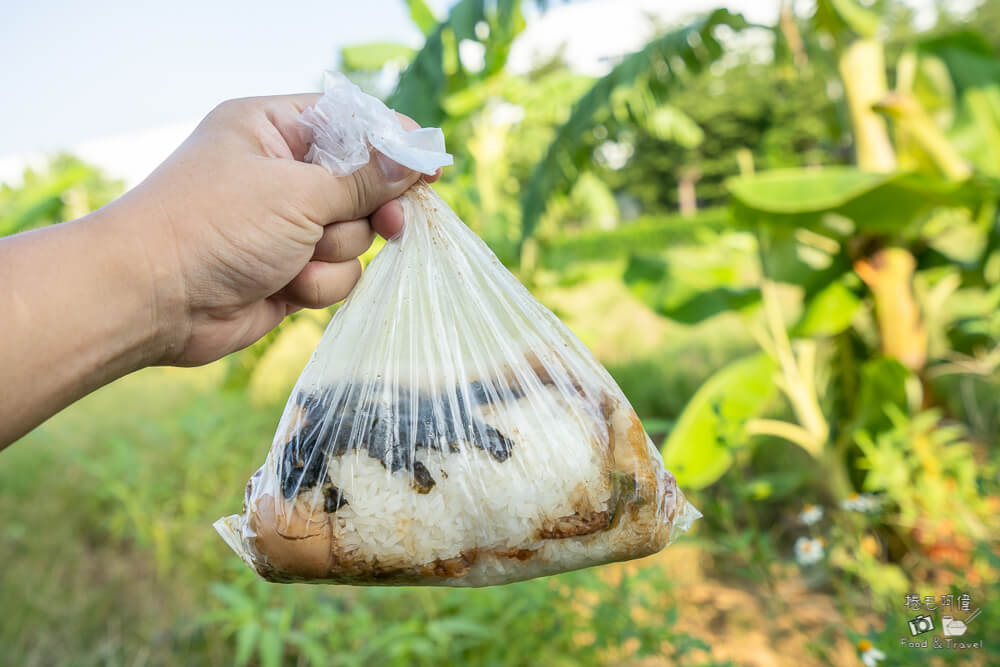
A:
357, 195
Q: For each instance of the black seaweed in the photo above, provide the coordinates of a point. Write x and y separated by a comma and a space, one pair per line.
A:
352, 417
333, 499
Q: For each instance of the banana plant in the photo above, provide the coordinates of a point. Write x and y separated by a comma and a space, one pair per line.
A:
648, 74
438, 70
872, 250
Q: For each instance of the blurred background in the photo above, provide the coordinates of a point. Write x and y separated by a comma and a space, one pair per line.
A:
774, 222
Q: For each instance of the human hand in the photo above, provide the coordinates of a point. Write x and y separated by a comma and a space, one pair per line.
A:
241, 233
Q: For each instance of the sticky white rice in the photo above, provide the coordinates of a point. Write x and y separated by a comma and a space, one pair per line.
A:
477, 502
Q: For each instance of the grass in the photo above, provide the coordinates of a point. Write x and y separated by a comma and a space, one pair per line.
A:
110, 502
110, 558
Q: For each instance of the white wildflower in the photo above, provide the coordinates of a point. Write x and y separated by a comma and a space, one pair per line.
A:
482, 30
870, 655
810, 514
808, 550
860, 502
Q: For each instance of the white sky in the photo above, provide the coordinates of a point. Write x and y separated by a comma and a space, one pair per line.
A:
71, 71
121, 84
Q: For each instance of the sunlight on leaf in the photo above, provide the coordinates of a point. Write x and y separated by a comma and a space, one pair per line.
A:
699, 449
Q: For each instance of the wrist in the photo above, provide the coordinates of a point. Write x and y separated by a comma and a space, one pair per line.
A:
147, 268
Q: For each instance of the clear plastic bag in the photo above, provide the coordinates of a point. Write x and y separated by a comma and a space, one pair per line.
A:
449, 429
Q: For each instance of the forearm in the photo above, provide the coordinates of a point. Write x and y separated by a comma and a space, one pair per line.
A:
81, 308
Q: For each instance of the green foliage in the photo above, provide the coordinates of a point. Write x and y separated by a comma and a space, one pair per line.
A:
66, 189
840, 16
923, 465
782, 116
872, 202
828, 313
699, 449
534, 622
374, 56
658, 66
647, 234
437, 69
882, 388
648, 276
692, 283
422, 16
152, 461
974, 71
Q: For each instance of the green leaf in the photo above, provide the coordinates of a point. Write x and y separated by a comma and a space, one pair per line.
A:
246, 639
803, 190
861, 20
649, 279
424, 83
954, 234
699, 449
644, 235
872, 202
828, 313
882, 384
694, 45
312, 649
270, 649
969, 57
232, 597
975, 71
37, 202
436, 70
374, 56
790, 258
657, 425
668, 123
845, 19
710, 303
422, 16
507, 23
645, 276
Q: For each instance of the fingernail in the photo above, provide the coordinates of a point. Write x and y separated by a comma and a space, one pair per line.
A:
392, 170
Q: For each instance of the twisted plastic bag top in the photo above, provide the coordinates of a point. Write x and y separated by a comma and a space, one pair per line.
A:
449, 429
346, 123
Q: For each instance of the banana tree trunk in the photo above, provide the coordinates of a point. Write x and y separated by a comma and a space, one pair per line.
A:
889, 275
687, 198
862, 70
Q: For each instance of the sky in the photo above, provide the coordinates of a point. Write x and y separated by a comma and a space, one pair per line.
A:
121, 84
78, 70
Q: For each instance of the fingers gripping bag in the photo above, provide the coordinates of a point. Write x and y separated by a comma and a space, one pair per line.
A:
449, 429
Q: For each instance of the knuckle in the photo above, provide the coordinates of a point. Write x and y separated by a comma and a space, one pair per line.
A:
334, 242
356, 189
227, 107
316, 293
366, 191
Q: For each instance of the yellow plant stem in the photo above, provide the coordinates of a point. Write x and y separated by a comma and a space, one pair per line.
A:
862, 71
911, 118
786, 430
889, 275
798, 382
